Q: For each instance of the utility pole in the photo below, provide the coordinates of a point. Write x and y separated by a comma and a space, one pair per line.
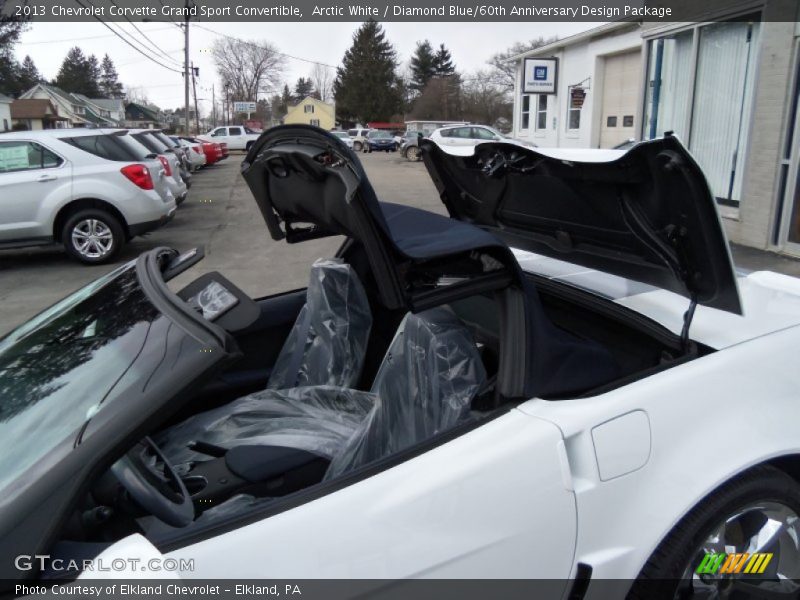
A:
186, 65
213, 107
194, 93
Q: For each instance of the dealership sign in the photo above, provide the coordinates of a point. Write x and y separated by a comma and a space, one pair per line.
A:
540, 76
244, 107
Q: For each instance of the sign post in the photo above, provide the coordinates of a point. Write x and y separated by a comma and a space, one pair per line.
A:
244, 107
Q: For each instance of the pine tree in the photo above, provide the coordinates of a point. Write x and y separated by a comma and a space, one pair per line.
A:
110, 87
10, 30
443, 62
286, 99
304, 87
366, 84
423, 66
29, 75
79, 74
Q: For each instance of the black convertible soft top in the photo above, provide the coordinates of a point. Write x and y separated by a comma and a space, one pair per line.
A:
308, 184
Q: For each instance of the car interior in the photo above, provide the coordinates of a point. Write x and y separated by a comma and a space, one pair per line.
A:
332, 383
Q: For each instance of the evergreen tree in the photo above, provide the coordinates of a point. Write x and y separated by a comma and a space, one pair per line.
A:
366, 84
29, 75
110, 87
443, 62
10, 31
423, 66
286, 99
304, 87
78, 74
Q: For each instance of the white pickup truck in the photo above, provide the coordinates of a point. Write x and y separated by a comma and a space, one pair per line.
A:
237, 137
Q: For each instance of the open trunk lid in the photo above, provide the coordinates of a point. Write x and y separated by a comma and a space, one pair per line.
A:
646, 215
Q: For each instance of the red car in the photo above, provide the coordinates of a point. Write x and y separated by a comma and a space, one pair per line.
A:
214, 152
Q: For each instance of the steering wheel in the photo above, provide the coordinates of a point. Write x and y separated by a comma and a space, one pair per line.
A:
152, 483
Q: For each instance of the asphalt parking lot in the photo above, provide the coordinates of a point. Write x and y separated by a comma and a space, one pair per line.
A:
220, 215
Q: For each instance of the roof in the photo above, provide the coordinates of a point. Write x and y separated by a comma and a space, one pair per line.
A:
605, 29
108, 103
34, 108
147, 113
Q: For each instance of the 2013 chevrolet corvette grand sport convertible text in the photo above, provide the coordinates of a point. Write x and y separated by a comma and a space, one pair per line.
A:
609, 400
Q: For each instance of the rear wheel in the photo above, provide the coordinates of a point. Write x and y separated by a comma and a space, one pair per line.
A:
412, 153
93, 236
357, 146
756, 513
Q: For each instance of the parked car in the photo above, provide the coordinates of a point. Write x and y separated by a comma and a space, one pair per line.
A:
380, 141
83, 188
478, 412
194, 153
170, 161
179, 151
409, 148
359, 137
237, 137
471, 135
345, 137
211, 150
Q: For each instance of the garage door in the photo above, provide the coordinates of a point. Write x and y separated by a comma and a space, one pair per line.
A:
621, 83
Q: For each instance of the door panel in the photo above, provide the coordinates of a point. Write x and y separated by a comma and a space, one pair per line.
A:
491, 503
620, 93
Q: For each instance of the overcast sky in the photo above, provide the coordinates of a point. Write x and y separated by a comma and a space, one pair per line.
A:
471, 45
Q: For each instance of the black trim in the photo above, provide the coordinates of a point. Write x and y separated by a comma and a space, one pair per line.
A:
25, 243
583, 576
148, 226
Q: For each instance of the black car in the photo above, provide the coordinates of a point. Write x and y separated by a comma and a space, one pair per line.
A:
380, 140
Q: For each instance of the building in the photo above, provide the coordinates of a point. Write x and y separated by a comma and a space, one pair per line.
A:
581, 91
728, 85
76, 109
34, 114
311, 112
5, 112
139, 116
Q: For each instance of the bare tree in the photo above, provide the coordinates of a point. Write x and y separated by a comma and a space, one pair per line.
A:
503, 70
249, 68
322, 78
483, 101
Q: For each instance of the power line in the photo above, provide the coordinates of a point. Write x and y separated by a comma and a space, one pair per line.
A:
144, 35
254, 45
160, 64
80, 39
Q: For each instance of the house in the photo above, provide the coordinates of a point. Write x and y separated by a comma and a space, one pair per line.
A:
581, 91
77, 109
312, 112
139, 116
108, 108
34, 114
5, 112
725, 83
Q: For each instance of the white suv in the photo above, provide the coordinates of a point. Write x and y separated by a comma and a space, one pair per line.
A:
237, 137
83, 188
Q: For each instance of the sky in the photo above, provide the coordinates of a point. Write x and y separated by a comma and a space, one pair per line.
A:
471, 44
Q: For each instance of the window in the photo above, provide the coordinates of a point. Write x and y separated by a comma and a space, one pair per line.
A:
5, 124
352, 132
711, 111
104, 146
627, 121
611, 121
479, 133
526, 112
219, 132
234, 131
25, 156
315, 122
308, 108
541, 112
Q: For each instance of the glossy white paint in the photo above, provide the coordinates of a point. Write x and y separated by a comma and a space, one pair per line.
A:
491, 503
622, 444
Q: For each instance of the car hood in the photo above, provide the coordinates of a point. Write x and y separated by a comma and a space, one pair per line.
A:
647, 214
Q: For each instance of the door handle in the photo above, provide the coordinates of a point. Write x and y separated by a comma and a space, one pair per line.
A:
44, 178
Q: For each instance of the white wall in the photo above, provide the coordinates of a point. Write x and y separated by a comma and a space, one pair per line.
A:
582, 60
5, 115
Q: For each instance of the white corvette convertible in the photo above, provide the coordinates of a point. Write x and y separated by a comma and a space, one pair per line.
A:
608, 404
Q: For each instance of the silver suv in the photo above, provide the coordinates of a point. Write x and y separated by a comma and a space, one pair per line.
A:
83, 188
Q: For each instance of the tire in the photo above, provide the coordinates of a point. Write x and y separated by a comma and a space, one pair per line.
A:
357, 146
106, 230
412, 153
742, 502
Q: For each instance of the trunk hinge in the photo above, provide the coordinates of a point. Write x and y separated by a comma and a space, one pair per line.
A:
687, 322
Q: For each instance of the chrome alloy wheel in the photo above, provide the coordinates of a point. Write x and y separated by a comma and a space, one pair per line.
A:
758, 529
92, 238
